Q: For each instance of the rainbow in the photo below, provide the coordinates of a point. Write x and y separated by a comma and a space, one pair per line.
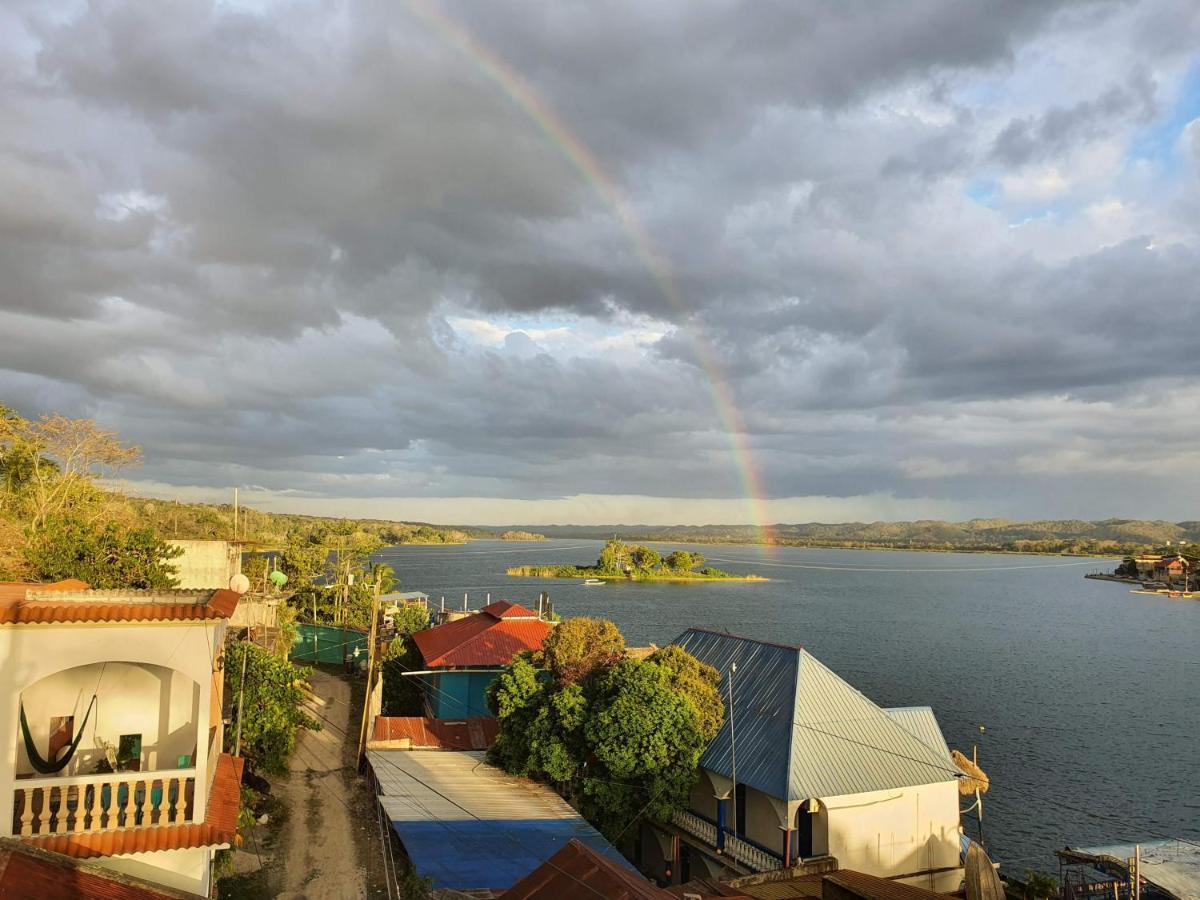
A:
577, 154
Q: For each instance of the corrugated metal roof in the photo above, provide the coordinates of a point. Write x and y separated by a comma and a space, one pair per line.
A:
803, 732
921, 723
422, 732
872, 887
575, 868
469, 825
482, 639
1172, 865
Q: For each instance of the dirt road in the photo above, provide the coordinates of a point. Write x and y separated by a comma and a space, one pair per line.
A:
327, 844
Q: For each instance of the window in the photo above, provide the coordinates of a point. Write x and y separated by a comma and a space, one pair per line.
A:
62, 732
129, 752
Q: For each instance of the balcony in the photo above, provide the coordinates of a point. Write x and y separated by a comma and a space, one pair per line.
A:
83, 804
746, 853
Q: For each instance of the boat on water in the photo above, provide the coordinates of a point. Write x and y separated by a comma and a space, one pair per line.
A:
594, 582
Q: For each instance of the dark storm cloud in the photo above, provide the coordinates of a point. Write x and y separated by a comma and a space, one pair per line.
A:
249, 240
1036, 138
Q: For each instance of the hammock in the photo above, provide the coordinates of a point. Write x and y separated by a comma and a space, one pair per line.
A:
52, 766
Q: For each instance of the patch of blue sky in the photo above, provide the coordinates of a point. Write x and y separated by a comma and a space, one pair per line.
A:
1158, 143
986, 192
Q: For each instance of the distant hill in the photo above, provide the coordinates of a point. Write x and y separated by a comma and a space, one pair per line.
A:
1107, 537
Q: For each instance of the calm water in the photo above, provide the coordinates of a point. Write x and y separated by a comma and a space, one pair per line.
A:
1089, 695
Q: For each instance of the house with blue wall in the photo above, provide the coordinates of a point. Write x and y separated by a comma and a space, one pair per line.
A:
461, 658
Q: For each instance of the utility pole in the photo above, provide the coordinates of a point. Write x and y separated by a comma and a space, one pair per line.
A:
237, 743
733, 751
366, 714
235, 514
1137, 872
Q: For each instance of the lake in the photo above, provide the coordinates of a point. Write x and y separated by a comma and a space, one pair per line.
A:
1088, 694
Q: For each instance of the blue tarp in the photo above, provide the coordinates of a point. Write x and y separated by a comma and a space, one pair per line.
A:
471, 854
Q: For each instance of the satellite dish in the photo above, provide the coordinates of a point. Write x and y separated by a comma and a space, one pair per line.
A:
239, 583
278, 578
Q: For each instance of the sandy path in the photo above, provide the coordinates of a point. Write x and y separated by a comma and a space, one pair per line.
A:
329, 845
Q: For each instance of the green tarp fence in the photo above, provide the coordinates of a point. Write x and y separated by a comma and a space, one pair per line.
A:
329, 644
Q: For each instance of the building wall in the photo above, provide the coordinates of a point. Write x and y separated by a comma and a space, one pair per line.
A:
206, 564
184, 870
889, 833
458, 695
762, 821
160, 704
29, 653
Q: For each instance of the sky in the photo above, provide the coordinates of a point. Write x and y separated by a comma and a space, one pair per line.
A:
690, 261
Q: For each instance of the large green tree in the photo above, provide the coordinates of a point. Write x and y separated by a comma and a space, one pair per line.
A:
619, 738
105, 556
580, 646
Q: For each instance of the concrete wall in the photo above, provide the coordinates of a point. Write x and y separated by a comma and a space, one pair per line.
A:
30, 653
158, 703
184, 870
889, 833
206, 564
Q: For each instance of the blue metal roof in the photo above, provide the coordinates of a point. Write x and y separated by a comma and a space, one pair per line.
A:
468, 825
800, 731
468, 854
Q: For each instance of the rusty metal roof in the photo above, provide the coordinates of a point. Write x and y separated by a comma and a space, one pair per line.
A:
872, 887
482, 639
218, 829
577, 869
49, 604
422, 732
802, 732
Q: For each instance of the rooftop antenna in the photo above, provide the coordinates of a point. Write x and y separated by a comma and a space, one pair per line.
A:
464, 602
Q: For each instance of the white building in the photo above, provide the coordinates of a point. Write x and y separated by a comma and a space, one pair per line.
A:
138, 672
813, 774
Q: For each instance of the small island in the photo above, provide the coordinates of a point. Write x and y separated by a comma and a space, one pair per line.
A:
631, 562
522, 536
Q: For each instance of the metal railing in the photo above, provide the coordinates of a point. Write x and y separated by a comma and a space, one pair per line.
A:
88, 803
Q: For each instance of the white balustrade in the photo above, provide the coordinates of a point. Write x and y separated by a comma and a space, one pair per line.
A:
696, 826
747, 854
85, 803
750, 856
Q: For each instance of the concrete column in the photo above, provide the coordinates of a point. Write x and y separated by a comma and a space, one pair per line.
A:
787, 845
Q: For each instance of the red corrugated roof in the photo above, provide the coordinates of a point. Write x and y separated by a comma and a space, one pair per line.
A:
476, 733
575, 869
483, 639
29, 872
219, 825
41, 604
506, 609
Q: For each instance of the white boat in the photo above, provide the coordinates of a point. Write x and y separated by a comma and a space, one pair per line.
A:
594, 582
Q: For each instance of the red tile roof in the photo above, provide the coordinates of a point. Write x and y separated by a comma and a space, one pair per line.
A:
219, 825
491, 637
41, 604
576, 871
476, 733
28, 872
